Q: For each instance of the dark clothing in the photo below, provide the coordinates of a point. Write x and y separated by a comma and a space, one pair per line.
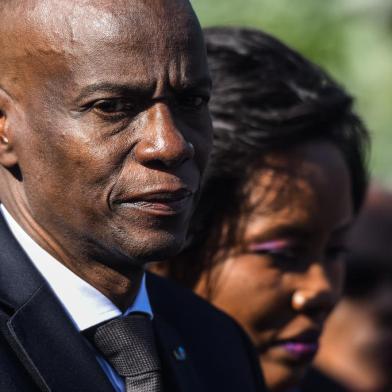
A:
41, 350
315, 381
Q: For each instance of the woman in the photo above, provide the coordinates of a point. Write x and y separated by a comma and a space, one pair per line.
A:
285, 180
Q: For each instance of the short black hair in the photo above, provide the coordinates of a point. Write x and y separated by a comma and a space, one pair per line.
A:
265, 96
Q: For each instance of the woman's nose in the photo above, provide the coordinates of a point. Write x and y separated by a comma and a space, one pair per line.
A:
318, 291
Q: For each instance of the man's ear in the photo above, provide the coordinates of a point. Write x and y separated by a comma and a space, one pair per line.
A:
8, 156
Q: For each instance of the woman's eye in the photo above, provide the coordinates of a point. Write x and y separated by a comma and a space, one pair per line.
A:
284, 255
336, 252
277, 250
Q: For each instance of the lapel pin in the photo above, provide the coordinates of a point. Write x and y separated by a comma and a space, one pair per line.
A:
179, 353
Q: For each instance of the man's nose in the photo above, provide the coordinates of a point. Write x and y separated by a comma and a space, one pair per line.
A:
316, 293
162, 145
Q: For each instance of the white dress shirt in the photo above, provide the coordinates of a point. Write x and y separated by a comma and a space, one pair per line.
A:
84, 304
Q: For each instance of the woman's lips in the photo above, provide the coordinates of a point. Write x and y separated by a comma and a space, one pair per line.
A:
301, 349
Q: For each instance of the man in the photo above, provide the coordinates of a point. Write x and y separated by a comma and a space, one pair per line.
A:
104, 136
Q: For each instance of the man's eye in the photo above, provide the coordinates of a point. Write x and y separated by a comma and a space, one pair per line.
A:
193, 101
113, 107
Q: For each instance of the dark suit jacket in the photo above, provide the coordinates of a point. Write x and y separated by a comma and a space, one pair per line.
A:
40, 349
318, 381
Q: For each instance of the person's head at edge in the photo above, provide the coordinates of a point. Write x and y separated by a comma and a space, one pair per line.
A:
356, 345
286, 177
104, 131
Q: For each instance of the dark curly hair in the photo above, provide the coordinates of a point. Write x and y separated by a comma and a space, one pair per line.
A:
266, 96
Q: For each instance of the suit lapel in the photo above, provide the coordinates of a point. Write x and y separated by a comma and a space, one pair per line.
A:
47, 343
38, 329
53, 349
180, 376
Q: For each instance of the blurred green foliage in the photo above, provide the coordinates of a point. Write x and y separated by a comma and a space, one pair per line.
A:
352, 39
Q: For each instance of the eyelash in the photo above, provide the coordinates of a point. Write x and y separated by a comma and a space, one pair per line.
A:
279, 250
127, 108
121, 110
185, 101
287, 255
292, 254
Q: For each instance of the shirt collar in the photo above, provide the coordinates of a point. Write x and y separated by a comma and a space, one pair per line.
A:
85, 305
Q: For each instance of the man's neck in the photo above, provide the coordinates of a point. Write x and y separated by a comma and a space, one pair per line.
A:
120, 288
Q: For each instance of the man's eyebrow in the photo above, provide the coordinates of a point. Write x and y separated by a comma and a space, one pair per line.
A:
114, 88
201, 83
140, 88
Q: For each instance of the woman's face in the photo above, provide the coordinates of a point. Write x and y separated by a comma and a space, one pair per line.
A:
284, 274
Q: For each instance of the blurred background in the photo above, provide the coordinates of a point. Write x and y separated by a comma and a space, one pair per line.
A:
352, 39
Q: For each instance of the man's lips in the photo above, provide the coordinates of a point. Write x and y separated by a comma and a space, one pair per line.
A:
162, 201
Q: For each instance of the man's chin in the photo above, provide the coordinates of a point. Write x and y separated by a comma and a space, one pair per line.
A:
155, 248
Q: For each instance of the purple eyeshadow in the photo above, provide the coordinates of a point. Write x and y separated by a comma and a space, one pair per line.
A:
269, 245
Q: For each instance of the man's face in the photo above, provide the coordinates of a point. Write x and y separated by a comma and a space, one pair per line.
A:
112, 131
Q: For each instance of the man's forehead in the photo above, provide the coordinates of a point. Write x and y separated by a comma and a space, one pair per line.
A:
118, 7
96, 30
80, 20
